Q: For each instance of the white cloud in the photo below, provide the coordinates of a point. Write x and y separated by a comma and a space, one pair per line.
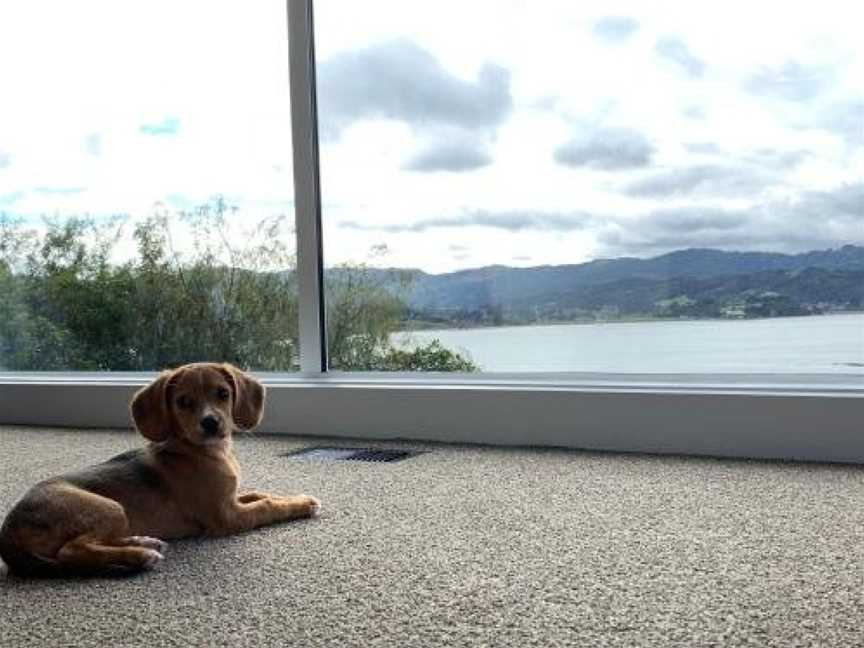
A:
675, 50
92, 81
615, 29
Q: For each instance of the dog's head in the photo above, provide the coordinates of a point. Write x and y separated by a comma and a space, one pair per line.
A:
202, 403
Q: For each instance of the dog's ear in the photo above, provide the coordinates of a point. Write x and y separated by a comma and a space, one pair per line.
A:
150, 409
248, 397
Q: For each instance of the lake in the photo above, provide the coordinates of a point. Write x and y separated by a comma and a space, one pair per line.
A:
817, 344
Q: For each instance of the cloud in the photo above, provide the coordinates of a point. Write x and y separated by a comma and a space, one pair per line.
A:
5, 159
740, 175
59, 191
671, 229
703, 147
93, 144
811, 220
512, 221
401, 81
689, 220
615, 29
842, 204
844, 118
657, 233
765, 157
9, 199
775, 159
168, 126
454, 156
791, 81
701, 179
606, 149
547, 103
694, 112
674, 49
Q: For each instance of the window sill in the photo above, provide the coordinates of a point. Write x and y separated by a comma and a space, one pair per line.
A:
813, 417
730, 382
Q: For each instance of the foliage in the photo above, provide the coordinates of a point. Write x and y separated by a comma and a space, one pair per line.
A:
431, 357
192, 286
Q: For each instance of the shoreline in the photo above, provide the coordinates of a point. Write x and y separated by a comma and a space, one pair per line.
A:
635, 320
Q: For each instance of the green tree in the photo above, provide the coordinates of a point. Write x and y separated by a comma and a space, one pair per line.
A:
29, 340
223, 296
197, 285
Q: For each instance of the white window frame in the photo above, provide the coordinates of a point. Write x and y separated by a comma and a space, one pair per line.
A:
803, 417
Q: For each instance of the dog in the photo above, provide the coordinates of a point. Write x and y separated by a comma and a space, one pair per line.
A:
114, 518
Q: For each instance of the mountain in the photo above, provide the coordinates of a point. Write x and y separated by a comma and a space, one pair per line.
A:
692, 283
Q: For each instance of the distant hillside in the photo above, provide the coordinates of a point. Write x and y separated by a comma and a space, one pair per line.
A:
506, 286
684, 283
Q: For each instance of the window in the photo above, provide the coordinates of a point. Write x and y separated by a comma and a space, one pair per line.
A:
586, 187
815, 416
146, 215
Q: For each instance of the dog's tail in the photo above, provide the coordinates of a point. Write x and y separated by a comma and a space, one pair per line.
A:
22, 563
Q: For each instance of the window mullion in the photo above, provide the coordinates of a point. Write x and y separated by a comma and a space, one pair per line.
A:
307, 188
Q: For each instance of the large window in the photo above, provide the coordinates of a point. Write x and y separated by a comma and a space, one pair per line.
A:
505, 187
583, 186
492, 200
146, 199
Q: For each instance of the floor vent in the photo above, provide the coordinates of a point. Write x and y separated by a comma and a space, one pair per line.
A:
322, 453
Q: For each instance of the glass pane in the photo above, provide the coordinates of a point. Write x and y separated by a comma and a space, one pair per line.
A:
145, 186
593, 186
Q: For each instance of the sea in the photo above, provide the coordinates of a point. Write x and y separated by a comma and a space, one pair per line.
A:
814, 344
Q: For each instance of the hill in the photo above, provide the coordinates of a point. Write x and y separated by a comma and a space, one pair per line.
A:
684, 283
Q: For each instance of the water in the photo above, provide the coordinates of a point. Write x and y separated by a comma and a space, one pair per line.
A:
819, 344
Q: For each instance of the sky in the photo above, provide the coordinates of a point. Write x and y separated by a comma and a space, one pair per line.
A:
453, 134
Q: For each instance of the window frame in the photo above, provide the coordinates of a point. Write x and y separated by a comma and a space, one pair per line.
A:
804, 417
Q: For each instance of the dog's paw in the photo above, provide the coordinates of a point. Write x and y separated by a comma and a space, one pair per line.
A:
314, 506
153, 559
149, 543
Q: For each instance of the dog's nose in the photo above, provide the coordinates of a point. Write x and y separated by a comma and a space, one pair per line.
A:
210, 424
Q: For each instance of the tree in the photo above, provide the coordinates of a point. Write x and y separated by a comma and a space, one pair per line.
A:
221, 296
195, 286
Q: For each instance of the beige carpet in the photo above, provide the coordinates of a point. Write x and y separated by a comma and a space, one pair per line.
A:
470, 546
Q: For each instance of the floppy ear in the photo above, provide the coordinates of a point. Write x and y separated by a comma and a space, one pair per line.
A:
248, 397
150, 409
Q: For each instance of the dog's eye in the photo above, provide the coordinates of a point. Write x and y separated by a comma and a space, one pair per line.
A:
222, 393
184, 402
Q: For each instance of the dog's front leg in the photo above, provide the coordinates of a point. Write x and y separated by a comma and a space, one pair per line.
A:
259, 510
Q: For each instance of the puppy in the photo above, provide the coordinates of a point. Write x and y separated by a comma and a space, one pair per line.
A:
112, 518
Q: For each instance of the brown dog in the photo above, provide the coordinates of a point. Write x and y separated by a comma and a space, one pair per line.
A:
109, 518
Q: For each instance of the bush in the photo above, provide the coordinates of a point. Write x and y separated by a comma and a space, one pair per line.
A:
225, 294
